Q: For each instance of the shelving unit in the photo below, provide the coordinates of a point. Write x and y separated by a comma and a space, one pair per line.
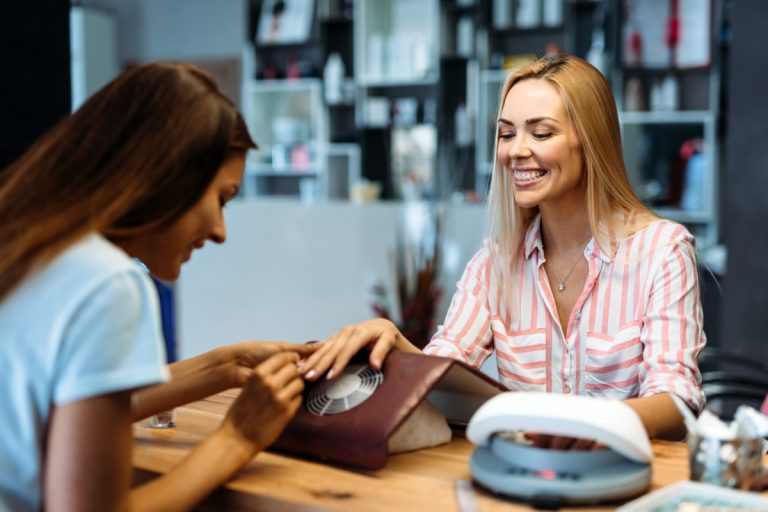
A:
659, 130
438, 62
396, 42
289, 122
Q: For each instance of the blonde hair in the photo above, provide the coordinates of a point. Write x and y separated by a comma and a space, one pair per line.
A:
591, 109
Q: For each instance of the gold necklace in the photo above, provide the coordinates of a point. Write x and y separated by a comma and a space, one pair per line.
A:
561, 282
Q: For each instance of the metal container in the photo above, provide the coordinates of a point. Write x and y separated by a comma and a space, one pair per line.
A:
736, 463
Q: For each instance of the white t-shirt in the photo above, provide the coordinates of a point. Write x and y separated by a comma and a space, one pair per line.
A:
86, 324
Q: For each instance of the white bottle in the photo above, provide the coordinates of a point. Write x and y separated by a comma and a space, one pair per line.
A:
693, 190
502, 14
465, 36
375, 57
333, 79
596, 53
527, 15
669, 95
462, 126
553, 13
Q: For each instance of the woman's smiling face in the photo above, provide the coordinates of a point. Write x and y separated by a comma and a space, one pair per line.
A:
539, 146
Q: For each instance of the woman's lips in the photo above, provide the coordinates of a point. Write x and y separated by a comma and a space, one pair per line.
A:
527, 176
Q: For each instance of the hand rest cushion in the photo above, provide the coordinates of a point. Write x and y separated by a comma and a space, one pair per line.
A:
424, 428
396, 417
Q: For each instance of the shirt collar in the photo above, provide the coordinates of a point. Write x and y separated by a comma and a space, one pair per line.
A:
533, 238
533, 242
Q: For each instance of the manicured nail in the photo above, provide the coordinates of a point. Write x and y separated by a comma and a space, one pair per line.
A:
330, 374
310, 374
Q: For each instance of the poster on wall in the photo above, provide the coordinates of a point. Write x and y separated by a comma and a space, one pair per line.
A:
285, 21
666, 33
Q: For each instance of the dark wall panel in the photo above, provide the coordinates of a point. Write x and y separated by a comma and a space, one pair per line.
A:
745, 198
35, 84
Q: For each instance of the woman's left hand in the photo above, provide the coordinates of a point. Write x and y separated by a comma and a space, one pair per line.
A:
562, 443
227, 366
239, 360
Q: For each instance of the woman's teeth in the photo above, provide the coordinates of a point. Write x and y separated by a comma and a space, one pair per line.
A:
529, 175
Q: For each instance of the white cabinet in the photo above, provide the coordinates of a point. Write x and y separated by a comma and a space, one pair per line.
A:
669, 101
396, 50
671, 159
396, 42
289, 122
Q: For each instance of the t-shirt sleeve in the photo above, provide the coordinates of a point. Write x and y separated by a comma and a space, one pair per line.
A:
112, 341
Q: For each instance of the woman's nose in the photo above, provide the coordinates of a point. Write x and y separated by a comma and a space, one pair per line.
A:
519, 147
219, 231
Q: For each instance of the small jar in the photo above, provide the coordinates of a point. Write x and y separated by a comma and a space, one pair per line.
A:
165, 419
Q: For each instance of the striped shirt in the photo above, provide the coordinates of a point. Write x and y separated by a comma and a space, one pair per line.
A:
635, 330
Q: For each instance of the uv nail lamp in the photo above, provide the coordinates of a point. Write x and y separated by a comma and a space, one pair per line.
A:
505, 464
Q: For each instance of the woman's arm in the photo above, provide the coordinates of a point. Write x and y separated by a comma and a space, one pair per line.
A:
659, 415
466, 325
195, 378
88, 461
672, 335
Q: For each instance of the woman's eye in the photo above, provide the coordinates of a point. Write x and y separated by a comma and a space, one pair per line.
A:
506, 136
542, 135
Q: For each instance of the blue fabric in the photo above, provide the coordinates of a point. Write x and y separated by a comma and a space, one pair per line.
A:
168, 317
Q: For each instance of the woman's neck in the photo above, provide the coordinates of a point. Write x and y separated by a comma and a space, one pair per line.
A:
565, 229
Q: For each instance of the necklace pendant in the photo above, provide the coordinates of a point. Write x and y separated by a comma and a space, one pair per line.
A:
560, 287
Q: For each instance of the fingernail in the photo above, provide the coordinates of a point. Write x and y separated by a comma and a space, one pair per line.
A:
330, 374
310, 374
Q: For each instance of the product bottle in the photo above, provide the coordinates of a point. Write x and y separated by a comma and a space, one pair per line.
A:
527, 14
669, 93
553, 13
693, 188
462, 126
333, 78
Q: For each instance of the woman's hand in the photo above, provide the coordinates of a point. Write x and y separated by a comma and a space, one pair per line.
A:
238, 360
229, 366
269, 399
378, 335
562, 443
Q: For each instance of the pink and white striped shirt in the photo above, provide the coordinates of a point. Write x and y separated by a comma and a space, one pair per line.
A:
636, 329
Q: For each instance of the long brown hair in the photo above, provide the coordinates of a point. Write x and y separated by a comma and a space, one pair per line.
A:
137, 155
591, 108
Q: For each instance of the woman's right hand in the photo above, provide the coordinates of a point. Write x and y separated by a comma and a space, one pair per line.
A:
267, 402
379, 335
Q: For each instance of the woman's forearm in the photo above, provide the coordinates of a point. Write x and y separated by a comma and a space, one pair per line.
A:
659, 416
211, 464
191, 379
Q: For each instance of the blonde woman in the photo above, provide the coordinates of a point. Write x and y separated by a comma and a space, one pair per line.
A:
579, 288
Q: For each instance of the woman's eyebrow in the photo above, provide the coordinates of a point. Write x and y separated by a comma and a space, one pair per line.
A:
528, 122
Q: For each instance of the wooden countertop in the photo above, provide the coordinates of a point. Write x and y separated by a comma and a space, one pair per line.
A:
421, 480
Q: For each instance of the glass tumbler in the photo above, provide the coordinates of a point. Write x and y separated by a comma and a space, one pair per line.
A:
165, 419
